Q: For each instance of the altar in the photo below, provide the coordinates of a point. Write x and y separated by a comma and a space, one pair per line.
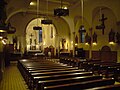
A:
64, 53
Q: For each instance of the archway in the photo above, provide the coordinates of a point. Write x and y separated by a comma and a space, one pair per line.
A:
40, 39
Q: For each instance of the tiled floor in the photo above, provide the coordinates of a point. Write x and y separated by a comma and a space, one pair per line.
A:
12, 79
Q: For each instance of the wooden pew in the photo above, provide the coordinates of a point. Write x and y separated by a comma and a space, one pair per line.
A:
52, 75
105, 68
57, 75
56, 82
31, 75
36, 73
80, 85
55, 70
108, 87
34, 79
60, 76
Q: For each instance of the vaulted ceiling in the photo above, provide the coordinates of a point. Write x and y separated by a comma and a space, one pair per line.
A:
44, 5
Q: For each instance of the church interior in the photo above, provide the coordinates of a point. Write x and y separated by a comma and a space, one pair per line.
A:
60, 44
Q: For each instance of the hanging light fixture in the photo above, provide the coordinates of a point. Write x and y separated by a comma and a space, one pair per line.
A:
46, 20
37, 15
61, 11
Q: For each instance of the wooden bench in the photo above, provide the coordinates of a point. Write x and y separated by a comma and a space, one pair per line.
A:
80, 85
66, 81
33, 80
105, 68
36, 73
39, 75
108, 87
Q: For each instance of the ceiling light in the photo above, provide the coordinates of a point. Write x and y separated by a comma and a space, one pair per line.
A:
37, 28
47, 21
62, 11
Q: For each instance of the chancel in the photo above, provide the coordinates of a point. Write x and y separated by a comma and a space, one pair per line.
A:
59, 45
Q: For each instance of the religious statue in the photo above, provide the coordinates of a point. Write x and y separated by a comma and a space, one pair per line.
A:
87, 38
118, 38
30, 41
112, 36
95, 37
63, 43
76, 39
15, 39
35, 42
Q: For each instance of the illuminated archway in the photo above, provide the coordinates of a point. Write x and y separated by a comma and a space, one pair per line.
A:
40, 39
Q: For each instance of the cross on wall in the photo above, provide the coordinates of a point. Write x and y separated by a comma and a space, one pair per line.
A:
102, 26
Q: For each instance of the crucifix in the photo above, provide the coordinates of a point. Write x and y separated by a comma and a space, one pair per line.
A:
102, 26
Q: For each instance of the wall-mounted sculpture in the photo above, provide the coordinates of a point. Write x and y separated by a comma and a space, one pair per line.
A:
102, 25
111, 36
76, 39
94, 38
87, 39
118, 38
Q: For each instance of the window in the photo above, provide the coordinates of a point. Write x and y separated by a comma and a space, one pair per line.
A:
82, 34
82, 37
40, 35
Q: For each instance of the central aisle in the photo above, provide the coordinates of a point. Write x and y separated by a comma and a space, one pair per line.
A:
12, 79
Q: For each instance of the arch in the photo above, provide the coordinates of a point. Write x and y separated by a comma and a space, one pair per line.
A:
105, 48
33, 37
110, 23
78, 22
15, 12
97, 10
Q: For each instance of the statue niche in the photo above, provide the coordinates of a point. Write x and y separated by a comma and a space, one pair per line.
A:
64, 48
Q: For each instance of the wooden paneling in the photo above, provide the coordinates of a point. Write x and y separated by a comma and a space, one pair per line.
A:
107, 56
